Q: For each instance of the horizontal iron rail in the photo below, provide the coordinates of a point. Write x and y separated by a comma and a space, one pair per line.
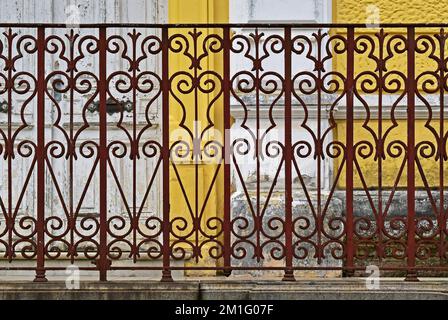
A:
224, 25
250, 268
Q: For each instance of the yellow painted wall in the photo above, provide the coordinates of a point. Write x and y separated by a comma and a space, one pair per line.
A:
197, 11
391, 166
390, 11
394, 11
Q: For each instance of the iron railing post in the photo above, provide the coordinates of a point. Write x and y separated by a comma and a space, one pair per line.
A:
349, 88
166, 223
289, 273
442, 219
40, 154
226, 150
103, 262
411, 272
9, 216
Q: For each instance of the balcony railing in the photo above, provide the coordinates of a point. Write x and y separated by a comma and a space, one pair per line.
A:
223, 147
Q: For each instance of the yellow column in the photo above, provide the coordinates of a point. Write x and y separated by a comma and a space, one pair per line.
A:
196, 11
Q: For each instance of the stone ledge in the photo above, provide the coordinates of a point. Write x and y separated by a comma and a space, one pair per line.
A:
341, 289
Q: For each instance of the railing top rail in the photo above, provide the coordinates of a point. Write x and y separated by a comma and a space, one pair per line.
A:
224, 25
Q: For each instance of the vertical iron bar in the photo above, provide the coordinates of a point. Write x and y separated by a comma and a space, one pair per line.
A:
379, 151
411, 272
40, 154
258, 219
226, 150
134, 152
196, 152
349, 150
10, 147
166, 273
441, 216
103, 262
319, 147
289, 273
71, 217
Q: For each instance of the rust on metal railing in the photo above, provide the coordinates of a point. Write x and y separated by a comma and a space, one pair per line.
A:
97, 64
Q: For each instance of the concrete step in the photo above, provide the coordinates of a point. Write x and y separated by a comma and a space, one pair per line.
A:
231, 288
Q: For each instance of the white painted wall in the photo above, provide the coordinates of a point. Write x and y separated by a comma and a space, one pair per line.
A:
84, 11
89, 11
280, 11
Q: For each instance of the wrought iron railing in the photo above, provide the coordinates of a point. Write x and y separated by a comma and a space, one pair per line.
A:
257, 135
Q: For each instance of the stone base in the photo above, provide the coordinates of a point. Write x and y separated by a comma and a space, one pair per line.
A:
232, 289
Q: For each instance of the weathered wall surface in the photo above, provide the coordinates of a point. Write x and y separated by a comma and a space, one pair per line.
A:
73, 12
88, 11
258, 111
395, 11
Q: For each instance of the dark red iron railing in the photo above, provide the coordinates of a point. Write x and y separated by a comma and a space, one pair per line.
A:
102, 96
